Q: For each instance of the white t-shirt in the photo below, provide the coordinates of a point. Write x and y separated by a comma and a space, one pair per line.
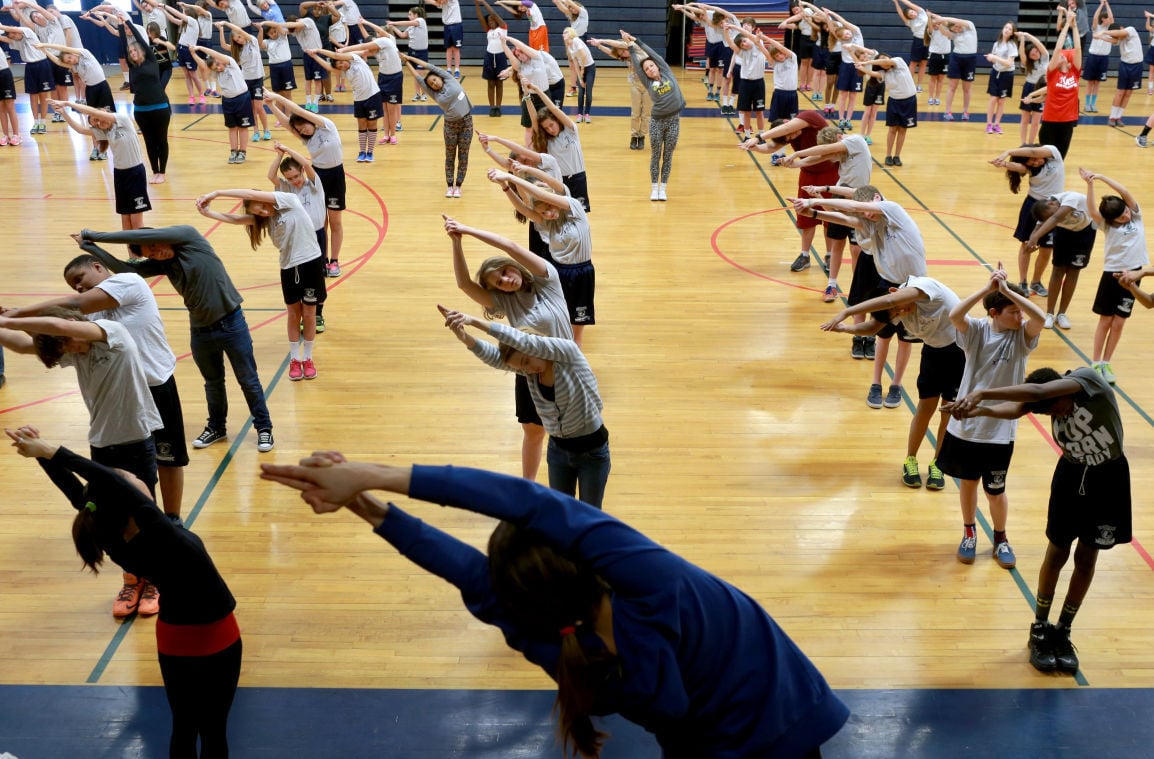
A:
419, 35
325, 145
112, 383
552, 68
307, 35
494, 40
278, 49
361, 79
918, 24
752, 64
939, 42
581, 23
1097, 46
566, 148
570, 240
533, 71
899, 82
237, 14
966, 41
139, 313
89, 69
993, 359
351, 13
785, 74
855, 168
857, 40
1005, 50
231, 80
451, 12
292, 232
189, 33
312, 196
250, 62
1126, 244
28, 53
121, 137
580, 52
1051, 177
930, 319
536, 20
1079, 218
1038, 73
1130, 46
388, 57
712, 35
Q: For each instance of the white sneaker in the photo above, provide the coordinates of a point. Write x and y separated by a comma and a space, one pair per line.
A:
449, 192
655, 194
1049, 322
661, 192
1062, 321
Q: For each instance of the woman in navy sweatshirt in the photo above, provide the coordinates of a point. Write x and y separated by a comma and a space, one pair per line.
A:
197, 638
622, 624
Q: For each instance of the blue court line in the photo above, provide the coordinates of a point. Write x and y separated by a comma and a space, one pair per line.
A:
122, 632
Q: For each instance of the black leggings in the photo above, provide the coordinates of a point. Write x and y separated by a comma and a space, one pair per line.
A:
154, 128
200, 691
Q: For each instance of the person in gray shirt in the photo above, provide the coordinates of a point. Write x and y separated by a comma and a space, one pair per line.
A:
458, 122
215, 317
668, 103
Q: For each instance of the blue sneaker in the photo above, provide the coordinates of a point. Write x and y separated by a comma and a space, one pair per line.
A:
256, 135
360, 157
968, 550
267, 136
1004, 555
874, 400
368, 157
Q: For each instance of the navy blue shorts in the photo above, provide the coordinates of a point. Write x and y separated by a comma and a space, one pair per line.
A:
1094, 67
186, 59
1027, 88
370, 108
820, 57
355, 36
578, 186
420, 55
713, 54
751, 95
454, 35
1129, 76
494, 64
392, 87
805, 47
237, 111
1001, 84
282, 77
579, 283
1149, 60
255, 88
919, 50
848, 78
131, 187
903, 112
38, 77
61, 75
313, 70
962, 67
783, 104
333, 180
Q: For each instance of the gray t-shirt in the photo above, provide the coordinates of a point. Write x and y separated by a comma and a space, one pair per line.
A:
1051, 176
451, 98
112, 383
898, 249
194, 270
543, 310
89, 69
569, 238
292, 232
1092, 433
899, 82
138, 311
930, 319
993, 359
665, 92
566, 148
312, 196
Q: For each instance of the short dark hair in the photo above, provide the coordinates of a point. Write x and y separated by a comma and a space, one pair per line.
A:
1038, 210
83, 261
1040, 377
997, 300
1111, 207
50, 348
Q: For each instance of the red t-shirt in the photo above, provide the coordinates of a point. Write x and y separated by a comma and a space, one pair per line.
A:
1062, 92
808, 136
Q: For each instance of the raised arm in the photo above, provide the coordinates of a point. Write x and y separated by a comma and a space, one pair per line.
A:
465, 283
887, 302
240, 34
50, 325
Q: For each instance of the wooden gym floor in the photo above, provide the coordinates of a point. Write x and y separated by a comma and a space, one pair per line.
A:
740, 439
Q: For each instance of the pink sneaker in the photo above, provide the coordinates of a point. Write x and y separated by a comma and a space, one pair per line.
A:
200, 100
997, 128
296, 371
310, 369
191, 100
456, 192
3, 140
15, 139
393, 140
989, 128
384, 140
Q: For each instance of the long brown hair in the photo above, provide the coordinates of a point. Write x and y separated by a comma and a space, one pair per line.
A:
258, 228
552, 596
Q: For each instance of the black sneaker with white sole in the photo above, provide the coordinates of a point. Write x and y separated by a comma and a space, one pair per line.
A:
1041, 652
264, 441
208, 437
801, 263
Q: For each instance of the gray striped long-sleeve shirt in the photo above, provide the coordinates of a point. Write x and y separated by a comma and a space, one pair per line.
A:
575, 410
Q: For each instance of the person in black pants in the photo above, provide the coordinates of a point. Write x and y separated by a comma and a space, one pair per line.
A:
197, 639
150, 106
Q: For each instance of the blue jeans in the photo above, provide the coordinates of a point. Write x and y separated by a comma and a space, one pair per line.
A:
229, 337
1, 360
590, 470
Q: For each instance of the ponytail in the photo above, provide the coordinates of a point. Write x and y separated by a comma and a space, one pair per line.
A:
85, 539
1015, 179
576, 697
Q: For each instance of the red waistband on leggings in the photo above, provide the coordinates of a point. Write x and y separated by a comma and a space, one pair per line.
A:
196, 640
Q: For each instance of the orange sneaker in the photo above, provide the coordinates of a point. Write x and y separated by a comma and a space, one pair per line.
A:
128, 599
149, 600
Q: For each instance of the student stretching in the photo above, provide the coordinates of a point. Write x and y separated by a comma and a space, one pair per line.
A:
668, 103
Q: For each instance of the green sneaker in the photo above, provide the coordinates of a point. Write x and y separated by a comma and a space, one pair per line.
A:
910, 476
320, 324
935, 480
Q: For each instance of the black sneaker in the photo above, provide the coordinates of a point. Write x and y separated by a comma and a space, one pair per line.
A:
870, 345
897, 161
264, 441
801, 263
889, 160
1065, 658
1041, 652
208, 437
858, 349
